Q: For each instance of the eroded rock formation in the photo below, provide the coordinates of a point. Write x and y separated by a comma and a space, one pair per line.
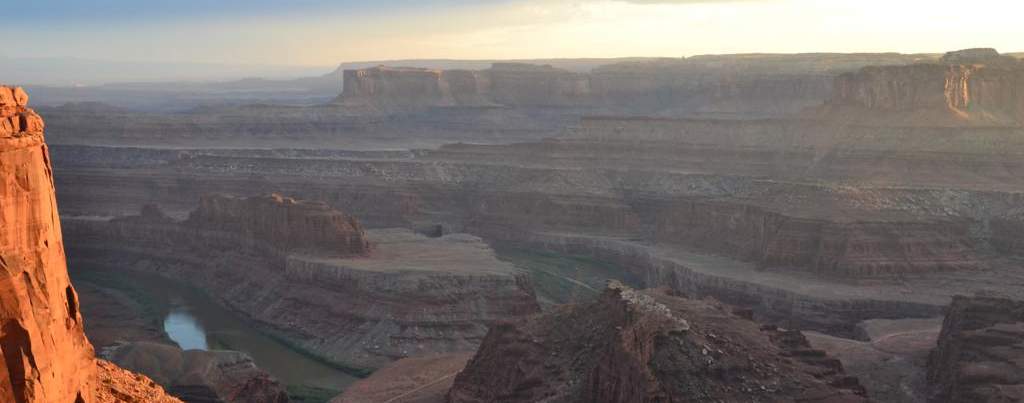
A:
975, 86
199, 376
282, 223
631, 346
47, 357
979, 355
412, 295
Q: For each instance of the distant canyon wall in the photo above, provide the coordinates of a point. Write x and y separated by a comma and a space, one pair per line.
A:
753, 85
974, 86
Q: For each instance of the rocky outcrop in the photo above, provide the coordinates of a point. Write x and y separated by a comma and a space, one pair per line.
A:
969, 87
47, 357
122, 386
200, 376
631, 346
413, 295
282, 223
979, 355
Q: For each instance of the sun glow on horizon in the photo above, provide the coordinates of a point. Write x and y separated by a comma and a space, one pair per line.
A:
544, 29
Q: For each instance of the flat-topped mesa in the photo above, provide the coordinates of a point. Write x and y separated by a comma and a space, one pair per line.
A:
47, 357
970, 87
513, 84
982, 56
398, 85
979, 357
636, 346
286, 224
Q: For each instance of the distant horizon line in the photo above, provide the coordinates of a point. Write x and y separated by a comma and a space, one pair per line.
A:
458, 59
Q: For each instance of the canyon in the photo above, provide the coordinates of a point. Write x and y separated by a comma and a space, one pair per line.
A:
843, 201
315, 278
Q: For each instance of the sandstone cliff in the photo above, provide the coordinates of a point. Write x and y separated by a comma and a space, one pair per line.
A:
828, 247
509, 84
631, 346
979, 355
283, 223
47, 357
758, 85
976, 87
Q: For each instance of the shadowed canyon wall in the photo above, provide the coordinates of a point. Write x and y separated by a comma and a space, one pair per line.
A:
978, 357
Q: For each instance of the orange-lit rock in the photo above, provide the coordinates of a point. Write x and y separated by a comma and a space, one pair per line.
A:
47, 357
965, 87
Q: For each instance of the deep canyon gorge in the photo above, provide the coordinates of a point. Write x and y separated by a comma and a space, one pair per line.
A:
807, 228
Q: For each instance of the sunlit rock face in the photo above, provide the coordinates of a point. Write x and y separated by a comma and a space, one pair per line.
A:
47, 357
974, 86
46, 353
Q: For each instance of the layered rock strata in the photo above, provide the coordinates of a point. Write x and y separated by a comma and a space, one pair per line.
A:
631, 346
979, 354
199, 376
413, 295
767, 85
282, 223
967, 87
47, 357
828, 247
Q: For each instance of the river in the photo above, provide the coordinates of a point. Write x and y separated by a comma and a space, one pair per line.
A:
194, 321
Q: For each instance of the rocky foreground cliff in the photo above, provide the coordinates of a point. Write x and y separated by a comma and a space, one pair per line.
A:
47, 357
632, 346
980, 352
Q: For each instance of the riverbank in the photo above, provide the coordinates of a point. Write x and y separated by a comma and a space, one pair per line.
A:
307, 379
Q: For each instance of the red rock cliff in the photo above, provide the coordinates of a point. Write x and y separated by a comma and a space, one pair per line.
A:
966, 87
47, 357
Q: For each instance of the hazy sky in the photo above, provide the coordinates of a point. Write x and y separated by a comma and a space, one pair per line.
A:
322, 32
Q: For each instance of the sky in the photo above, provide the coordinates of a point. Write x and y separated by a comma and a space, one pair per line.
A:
325, 33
